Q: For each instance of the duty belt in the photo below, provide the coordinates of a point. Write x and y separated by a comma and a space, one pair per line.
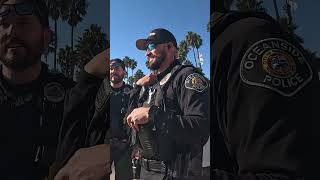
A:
154, 165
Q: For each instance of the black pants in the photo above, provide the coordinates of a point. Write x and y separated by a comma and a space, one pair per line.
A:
120, 154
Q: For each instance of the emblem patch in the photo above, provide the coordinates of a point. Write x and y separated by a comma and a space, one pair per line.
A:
54, 92
277, 65
196, 82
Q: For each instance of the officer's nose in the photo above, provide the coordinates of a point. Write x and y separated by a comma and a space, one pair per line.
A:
111, 71
148, 53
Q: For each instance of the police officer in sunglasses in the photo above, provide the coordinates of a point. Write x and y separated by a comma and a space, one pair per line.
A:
31, 97
168, 112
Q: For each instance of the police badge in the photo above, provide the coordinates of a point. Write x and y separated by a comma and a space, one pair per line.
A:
277, 65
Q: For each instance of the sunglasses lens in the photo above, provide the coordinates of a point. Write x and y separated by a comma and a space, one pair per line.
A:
4, 9
24, 8
151, 47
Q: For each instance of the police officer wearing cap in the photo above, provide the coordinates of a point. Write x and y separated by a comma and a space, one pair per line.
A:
261, 92
168, 111
31, 97
119, 131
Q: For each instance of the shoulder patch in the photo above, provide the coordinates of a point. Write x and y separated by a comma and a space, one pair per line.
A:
54, 92
277, 65
196, 82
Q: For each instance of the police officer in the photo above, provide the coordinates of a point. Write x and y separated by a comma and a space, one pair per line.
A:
83, 149
31, 97
169, 111
262, 83
118, 134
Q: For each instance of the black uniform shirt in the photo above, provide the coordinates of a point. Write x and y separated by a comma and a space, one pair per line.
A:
183, 118
29, 131
261, 92
119, 104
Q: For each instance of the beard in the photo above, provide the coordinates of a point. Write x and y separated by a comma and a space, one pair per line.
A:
115, 79
156, 63
21, 56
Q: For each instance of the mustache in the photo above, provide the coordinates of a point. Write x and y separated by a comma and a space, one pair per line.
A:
15, 42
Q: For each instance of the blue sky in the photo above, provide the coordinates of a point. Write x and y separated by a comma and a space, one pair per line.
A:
131, 20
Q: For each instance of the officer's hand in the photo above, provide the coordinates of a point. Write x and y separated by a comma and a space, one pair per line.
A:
87, 163
99, 65
138, 116
147, 80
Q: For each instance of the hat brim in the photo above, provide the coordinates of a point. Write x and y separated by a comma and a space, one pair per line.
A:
141, 44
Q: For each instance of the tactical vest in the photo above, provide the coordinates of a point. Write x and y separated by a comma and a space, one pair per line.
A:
156, 144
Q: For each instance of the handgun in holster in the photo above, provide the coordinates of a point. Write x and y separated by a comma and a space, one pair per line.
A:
136, 169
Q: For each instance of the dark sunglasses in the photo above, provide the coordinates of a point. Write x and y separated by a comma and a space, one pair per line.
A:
24, 8
151, 46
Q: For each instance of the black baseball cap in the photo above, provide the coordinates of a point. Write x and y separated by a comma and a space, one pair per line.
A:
157, 36
117, 62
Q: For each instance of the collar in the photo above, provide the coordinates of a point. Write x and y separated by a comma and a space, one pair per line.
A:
168, 70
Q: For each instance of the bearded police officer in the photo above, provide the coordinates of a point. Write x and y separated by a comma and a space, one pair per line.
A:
119, 131
31, 97
261, 94
169, 111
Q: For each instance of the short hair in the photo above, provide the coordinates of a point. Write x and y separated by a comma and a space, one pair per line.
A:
41, 12
118, 61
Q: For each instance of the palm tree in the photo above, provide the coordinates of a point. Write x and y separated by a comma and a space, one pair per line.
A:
133, 65
137, 75
194, 41
90, 43
190, 39
54, 8
276, 9
73, 14
287, 8
183, 51
67, 59
198, 44
250, 5
126, 61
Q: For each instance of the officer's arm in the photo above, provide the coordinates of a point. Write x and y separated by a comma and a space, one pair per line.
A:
266, 104
79, 107
190, 123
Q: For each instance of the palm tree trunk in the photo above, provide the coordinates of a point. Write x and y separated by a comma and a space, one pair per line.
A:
288, 8
198, 57
55, 45
72, 28
194, 55
132, 72
276, 9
